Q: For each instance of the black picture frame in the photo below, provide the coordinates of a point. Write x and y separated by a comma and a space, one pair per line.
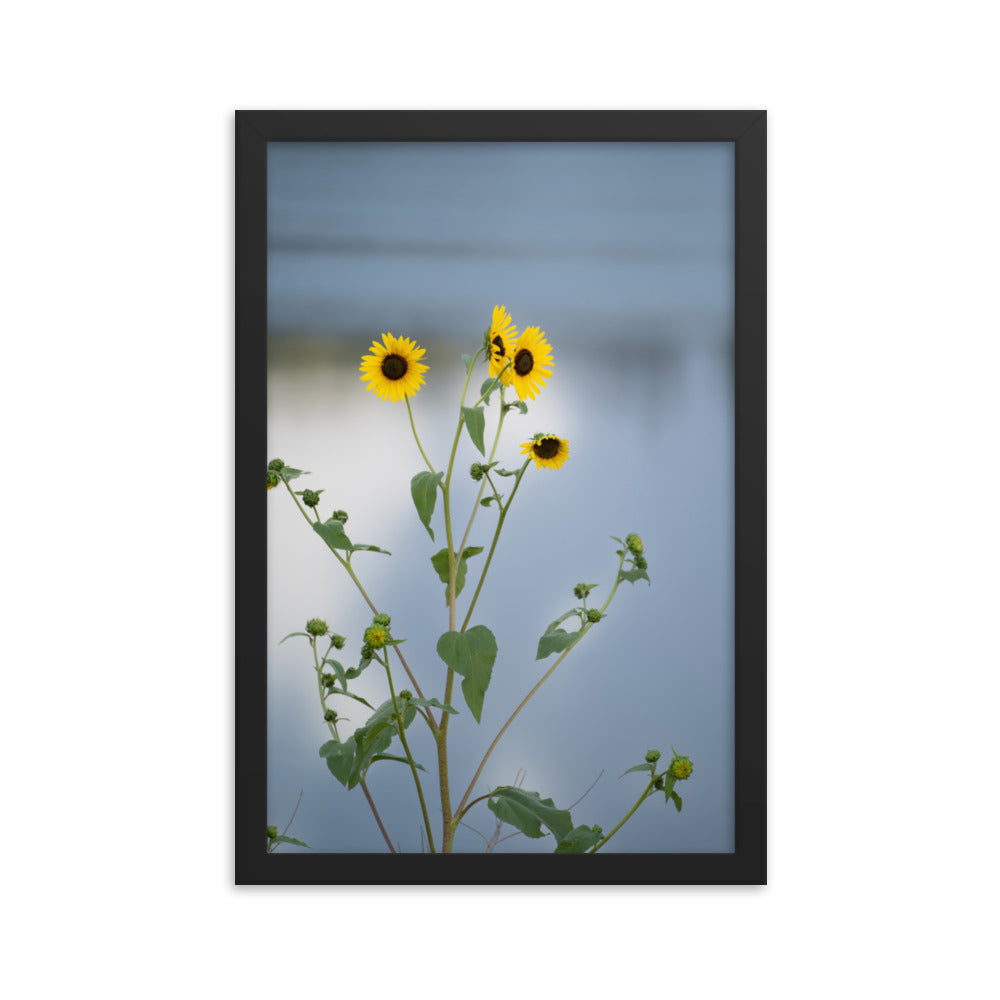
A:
746, 865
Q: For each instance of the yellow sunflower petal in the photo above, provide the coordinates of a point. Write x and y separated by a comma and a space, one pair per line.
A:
548, 451
392, 370
531, 363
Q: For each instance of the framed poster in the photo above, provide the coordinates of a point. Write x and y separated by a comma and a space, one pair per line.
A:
504, 596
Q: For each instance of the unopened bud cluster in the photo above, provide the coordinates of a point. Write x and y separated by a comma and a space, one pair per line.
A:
272, 832
652, 756
311, 497
316, 626
477, 471
339, 515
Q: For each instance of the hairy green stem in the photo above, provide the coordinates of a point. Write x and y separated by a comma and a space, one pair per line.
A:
493, 545
441, 734
548, 673
416, 438
409, 756
350, 571
476, 505
333, 731
642, 798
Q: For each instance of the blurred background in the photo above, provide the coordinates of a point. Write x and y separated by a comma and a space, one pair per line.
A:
623, 254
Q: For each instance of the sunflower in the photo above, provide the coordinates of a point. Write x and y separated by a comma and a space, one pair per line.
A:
548, 451
531, 356
393, 370
501, 335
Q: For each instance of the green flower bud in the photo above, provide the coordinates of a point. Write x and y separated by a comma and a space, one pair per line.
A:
316, 626
680, 768
367, 653
338, 641
276, 464
329, 680
593, 615
652, 756
405, 695
476, 471
634, 543
330, 715
640, 562
272, 832
340, 515
382, 620
311, 497
272, 479
376, 636
658, 782
581, 590
598, 830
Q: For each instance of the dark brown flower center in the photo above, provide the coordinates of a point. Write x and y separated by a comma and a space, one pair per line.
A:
523, 361
500, 349
547, 447
393, 366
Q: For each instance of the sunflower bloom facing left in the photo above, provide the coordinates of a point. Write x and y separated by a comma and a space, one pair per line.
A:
548, 451
530, 363
393, 370
501, 335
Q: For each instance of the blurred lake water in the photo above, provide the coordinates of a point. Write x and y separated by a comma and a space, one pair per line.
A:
622, 253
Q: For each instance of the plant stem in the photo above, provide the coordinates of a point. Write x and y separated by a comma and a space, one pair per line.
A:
409, 756
378, 819
350, 571
333, 730
642, 798
479, 496
441, 735
493, 544
413, 427
548, 673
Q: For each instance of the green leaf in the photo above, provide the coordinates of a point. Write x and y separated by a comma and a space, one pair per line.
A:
290, 634
470, 654
289, 473
633, 574
528, 811
475, 421
332, 532
486, 501
579, 839
507, 472
517, 404
369, 548
356, 697
338, 669
440, 563
367, 753
638, 767
556, 640
468, 359
486, 391
423, 489
402, 760
668, 786
433, 703
289, 840
677, 800
339, 758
